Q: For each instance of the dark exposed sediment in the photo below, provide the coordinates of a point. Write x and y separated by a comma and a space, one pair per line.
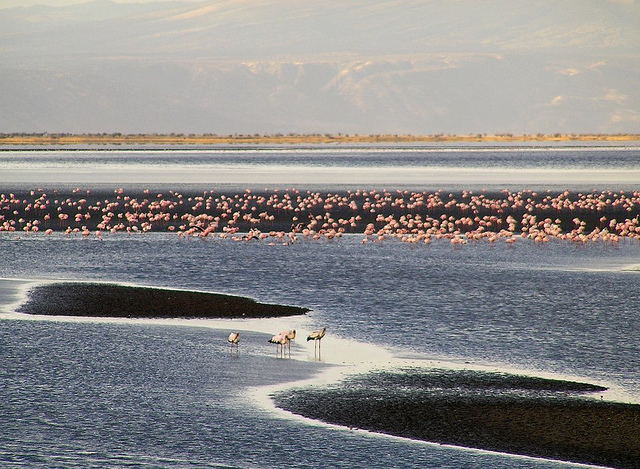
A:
498, 412
110, 300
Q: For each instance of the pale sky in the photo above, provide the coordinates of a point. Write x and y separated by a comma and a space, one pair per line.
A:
58, 3
14, 3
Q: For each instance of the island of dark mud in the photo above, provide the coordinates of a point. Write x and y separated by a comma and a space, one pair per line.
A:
111, 300
491, 411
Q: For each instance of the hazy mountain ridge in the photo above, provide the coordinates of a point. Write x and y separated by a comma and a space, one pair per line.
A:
268, 28
350, 66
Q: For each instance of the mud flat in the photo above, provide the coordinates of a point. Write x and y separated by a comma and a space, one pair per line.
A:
113, 300
522, 415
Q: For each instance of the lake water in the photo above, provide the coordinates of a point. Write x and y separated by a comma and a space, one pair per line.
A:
421, 167
153, 393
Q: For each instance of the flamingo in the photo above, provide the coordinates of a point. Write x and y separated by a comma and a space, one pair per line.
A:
290, 335
316, 336
284, 341
233, 339
280, 340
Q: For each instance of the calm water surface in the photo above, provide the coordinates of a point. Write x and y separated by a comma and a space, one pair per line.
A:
80, 393
424, 167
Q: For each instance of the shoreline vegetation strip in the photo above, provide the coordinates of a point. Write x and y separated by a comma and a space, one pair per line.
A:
213, 139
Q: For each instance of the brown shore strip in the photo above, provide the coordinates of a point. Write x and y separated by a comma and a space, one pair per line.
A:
491, 411
111, 300
212, 139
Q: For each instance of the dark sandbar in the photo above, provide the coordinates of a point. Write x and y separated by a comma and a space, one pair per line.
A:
109, 300
492, 411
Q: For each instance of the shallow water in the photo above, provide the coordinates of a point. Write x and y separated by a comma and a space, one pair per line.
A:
423, 167
90, 393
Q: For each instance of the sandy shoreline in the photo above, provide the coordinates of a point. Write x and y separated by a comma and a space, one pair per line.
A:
209, 139
120, 301
498, 412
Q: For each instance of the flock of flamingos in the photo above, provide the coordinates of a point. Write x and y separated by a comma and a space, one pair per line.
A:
288, 216
283, 340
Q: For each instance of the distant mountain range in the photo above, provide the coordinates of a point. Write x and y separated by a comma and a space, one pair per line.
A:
304, 66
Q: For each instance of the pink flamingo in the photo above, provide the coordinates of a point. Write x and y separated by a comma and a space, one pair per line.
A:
280, 340
233, 339
290, 335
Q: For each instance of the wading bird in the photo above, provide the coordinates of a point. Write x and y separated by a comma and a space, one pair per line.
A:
233, 339
290, 335
280, 340
316, 336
